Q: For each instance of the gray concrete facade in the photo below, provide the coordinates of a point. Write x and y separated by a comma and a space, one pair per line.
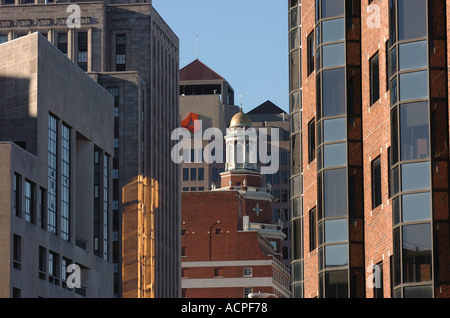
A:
41, 91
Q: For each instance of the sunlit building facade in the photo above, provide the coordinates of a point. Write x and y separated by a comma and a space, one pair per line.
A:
369, 102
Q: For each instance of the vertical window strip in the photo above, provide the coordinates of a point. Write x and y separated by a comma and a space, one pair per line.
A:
105, 208
52, 175
65, 183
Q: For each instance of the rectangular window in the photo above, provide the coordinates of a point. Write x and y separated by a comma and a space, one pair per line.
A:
96, 200
193, 174
3, 38
62, 43
185, 174
52, 174
312, 230
121, 52
42, 207
378, 280
65, 183
310, 53
17, 251
17, 195
82, 50
201, 174
218, 272
215, 174
248, 272
374, 79
42, 262
376, 183
105, 205
311, 140
29, 202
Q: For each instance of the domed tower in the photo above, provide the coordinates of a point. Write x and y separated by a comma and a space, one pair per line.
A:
241, 167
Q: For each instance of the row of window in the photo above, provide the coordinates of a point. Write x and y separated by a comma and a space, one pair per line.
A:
81, 57
52, 266
218, 272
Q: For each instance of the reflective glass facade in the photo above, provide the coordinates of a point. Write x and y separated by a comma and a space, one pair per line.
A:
295, 83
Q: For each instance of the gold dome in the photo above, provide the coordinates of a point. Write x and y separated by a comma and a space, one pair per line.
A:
240, 120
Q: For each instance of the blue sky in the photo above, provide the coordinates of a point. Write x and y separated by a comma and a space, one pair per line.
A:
245, 41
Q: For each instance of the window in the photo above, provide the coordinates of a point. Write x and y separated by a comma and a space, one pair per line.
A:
333, 92
185, 174
374, 79
378, 280
16, 293
413, 85
17, 251
334, 130
335, 231
82, 50
121, 52
248, 272
336, 284
310, 53
52, 174
201, 174
193, 174
376, 183
283, 158
412, 19
62, 43
218, 272
415, 176
334, 192
413, 55
42, 207
312, 229
29, 202
311, 140
96, 201
105, 205
186, 189
333, 30
65, 182
335, 155
333, 55
414, 135
17, 195
416, 246
416, 207
42, 262
3, 38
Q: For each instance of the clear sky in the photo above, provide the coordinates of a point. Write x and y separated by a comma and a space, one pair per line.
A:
244, 41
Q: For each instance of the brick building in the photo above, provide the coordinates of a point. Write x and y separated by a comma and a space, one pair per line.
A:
229, 246
369, 144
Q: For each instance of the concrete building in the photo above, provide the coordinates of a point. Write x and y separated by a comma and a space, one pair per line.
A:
230, 248
128, 49
369, 144
56, 145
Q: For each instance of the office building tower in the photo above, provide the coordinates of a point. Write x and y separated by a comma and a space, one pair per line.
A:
129, 50
369, 144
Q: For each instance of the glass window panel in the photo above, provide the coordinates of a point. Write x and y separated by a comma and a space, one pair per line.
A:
393, 89
336, 231
333, 55
335, 194
416, 207
394, 136
397, 257
295, 70
416, 176
332, 8
418, 292
320, 233
334, 130
334, 155
333, 30
294, 39
414, 136
298, 238
413, 55
416, 246
295, 101
396, 210
412, 19
333, 92
336, 284
336, 255
413, 85
393, 61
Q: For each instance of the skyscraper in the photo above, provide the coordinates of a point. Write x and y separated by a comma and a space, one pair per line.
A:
129, 50
369, 143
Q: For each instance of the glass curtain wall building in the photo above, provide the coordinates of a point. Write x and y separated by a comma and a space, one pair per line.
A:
295, 88
417, 51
